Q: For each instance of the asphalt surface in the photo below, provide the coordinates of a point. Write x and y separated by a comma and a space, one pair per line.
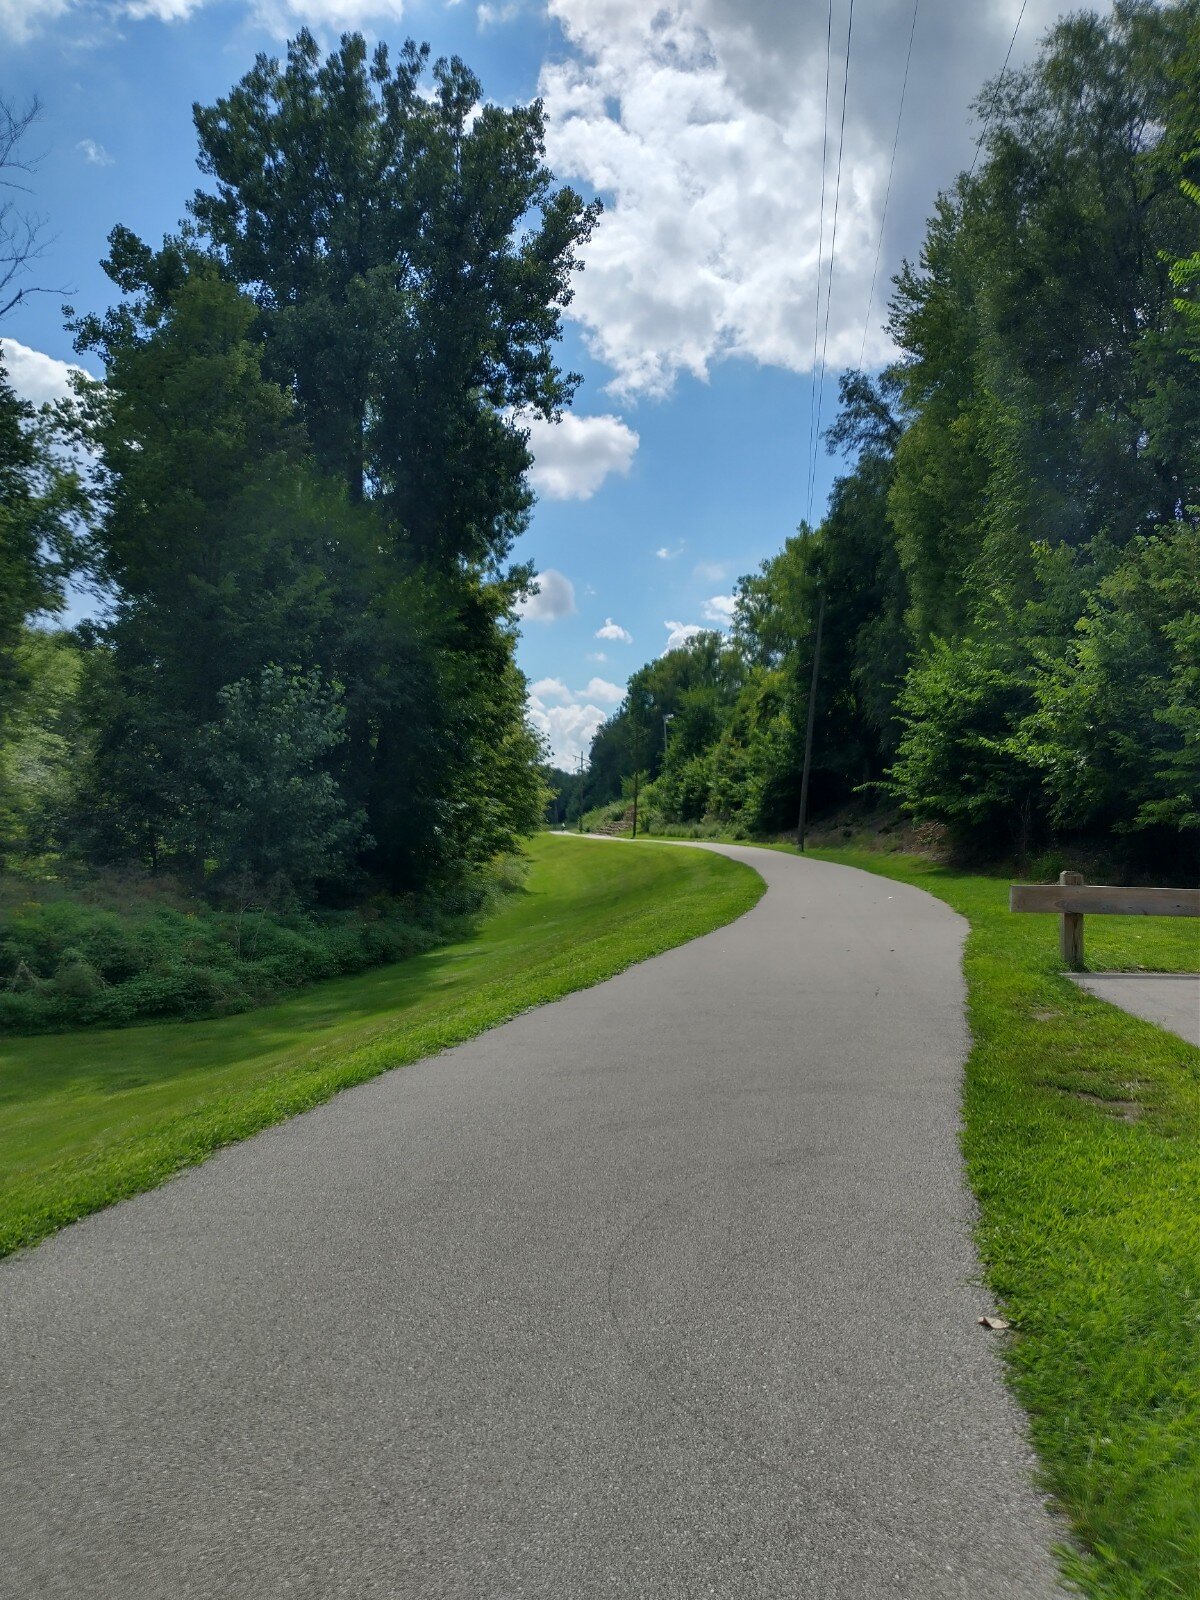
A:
1171, 999
664, 1290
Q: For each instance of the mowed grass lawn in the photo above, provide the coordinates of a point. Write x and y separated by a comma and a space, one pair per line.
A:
1082, 1142
86, 1118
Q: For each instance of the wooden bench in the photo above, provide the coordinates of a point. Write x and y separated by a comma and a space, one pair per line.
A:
1072, 898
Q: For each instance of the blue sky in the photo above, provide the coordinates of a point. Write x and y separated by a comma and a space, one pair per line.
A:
700, 123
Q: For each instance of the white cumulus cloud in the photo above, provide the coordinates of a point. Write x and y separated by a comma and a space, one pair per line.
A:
668, 553
611, 694
555, 598
701, 124
35, 376
568, 728
719, 609
550, 689
573, 456
568, 718
678, 633
614, 630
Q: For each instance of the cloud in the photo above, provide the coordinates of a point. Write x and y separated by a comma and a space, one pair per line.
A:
614, 630
666, 553
597, 655
600, 689
94, 154
162, 10
550, 689
573, 456
36, 377
711, 571
719, 609
568, 728
700, 122
555, 598
282, 17
21, 19
678, 633
569, 717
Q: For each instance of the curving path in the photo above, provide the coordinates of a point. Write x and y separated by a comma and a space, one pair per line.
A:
664, 1290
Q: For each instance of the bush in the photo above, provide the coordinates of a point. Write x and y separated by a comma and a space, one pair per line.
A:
65, 963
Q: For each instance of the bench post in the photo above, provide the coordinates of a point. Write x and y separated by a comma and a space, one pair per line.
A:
1070, 929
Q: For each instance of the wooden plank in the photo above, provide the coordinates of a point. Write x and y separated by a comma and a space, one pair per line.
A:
1099, 899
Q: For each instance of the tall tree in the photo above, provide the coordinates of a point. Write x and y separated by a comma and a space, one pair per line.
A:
225, 552
410, 257
41, 503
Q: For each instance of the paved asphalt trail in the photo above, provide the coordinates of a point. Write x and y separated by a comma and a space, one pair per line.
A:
665, 1290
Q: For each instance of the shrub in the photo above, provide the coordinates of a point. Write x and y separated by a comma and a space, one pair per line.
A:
65, 963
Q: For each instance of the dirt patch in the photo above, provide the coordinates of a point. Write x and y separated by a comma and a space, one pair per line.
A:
1127, 1111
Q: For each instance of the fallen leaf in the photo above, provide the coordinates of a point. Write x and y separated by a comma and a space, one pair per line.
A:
997, 1324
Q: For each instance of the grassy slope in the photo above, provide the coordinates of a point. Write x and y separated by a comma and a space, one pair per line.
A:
1082, 1141
86, 1118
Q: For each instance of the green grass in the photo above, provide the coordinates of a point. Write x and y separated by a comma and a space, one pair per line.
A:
1082, 1143
87, 1118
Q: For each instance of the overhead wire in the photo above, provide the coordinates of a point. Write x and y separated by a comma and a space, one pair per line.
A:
887, 194
995, 105
837, 191
812, 400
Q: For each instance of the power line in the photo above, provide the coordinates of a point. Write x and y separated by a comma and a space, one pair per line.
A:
888, 190
837, 192
812, 400
995, 105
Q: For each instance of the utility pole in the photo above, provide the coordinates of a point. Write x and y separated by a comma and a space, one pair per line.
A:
579, 794
637, 762
808, 736
668, 716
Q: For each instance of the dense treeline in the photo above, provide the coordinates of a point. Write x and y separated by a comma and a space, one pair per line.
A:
1010, 565
298, 486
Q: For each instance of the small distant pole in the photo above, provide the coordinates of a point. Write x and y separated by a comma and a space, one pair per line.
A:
808, 736
579, 796
1070, 929
637, 761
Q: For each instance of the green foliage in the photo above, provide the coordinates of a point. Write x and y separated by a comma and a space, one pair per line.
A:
410, 257
68, 963
277, 813
38, 740
960, 759
1119, 725
41, 502
1185, 276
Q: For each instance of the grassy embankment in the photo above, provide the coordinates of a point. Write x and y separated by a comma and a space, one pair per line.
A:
1082, 1143
87, 1118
